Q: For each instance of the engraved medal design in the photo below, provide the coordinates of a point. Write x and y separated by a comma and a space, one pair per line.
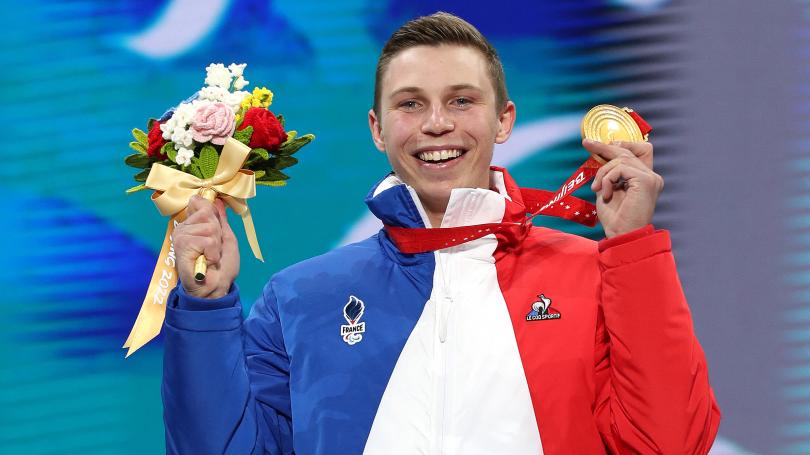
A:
606, 123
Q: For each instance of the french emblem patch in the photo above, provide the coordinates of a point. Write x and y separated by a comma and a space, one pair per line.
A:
352, 312
541, 310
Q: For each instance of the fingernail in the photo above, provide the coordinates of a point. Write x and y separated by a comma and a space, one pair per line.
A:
587, 141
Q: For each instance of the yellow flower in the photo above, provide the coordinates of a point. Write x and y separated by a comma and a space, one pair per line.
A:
264, 96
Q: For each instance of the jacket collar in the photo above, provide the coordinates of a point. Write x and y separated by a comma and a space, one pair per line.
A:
397, 204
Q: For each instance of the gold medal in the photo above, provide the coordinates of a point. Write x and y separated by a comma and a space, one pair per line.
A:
606, 123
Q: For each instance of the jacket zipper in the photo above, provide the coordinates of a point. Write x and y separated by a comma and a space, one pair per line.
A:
444, 306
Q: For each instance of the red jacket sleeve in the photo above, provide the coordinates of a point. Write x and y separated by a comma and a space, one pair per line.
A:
653, 393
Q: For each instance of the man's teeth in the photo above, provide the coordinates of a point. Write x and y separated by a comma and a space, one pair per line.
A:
439, 155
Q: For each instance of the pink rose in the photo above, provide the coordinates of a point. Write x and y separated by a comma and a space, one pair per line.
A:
213, 122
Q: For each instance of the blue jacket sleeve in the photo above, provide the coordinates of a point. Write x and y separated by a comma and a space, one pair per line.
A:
225, 383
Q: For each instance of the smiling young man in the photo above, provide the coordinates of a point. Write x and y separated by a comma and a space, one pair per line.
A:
540, 342
439, 131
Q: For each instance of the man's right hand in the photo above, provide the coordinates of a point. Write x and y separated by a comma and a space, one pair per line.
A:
206, 231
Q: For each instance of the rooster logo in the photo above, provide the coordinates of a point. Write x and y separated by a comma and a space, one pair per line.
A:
541, 310
352, 312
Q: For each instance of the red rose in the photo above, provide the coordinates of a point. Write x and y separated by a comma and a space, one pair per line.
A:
267, 131
156, 141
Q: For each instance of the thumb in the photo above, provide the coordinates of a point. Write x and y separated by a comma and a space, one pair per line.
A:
194, 204
227, 233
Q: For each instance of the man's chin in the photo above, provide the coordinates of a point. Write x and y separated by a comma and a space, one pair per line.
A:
435, 193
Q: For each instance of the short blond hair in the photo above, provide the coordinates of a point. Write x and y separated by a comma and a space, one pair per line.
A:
434, 30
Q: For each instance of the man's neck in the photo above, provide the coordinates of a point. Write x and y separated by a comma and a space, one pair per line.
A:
434, 210
435, 219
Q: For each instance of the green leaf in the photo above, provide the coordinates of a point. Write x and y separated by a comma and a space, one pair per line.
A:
140, 136
195, 169
243, 136
283, 162
138, 147
256, 156
136, 188
150, 124
170, 152
273, 174
209, 158
141, 176
258, 174
291, 135
288, 148
272, 183
139, 160
280, 119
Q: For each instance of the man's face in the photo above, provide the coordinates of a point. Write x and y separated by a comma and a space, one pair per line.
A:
438, 120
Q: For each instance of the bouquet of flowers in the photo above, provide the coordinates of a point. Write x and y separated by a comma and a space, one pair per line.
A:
190, 137
220, 142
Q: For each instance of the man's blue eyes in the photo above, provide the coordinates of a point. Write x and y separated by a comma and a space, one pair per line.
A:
410, 104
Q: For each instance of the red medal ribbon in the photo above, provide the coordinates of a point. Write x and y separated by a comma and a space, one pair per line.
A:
536, 202
642, 124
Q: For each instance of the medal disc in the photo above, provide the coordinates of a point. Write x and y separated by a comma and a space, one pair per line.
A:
606, 123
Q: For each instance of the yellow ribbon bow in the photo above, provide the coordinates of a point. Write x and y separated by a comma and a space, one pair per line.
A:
173, 190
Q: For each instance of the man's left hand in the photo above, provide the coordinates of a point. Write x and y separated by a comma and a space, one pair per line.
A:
626, 187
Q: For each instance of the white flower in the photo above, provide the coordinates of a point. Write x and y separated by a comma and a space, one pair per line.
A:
187, 138
185, 112
177, 137
240, 83
176, 128
234, 100
184, 156
167, 127
181, 137
218, 76
236, 70
213, 93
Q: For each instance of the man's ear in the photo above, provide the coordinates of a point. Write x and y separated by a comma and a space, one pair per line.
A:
506, 120
375, 126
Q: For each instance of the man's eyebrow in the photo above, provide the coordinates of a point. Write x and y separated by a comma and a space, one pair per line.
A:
452, 88
464, 87
404, 90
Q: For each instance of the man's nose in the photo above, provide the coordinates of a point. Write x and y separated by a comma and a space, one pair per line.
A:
437, 122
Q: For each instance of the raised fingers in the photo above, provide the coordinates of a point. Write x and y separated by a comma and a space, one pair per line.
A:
629, 177
616, 178
605, 151
641, 150
624, 160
